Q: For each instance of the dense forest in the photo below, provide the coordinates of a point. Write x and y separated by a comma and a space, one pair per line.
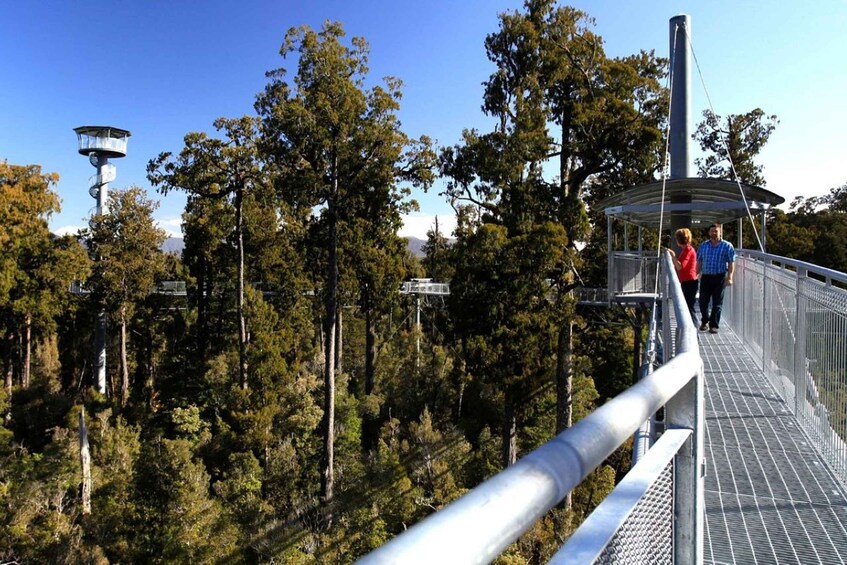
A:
288, 408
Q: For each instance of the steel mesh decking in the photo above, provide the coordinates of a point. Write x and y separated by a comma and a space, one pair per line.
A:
770, 497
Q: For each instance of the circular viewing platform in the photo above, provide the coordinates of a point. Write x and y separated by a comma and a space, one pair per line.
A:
102, 140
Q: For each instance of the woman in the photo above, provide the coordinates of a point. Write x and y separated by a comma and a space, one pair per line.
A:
686, 268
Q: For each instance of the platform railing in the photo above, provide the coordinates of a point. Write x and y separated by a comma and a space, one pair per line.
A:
425, 286
632, 272
792, 316
479, 526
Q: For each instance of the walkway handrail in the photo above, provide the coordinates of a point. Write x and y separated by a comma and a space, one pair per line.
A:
792, 316
828, 275
480, 525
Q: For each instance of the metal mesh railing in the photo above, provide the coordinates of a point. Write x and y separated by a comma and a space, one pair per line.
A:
425, 286
793, 317
635, 524
632, 271
647, 535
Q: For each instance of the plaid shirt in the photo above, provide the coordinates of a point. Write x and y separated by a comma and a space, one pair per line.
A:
714, 259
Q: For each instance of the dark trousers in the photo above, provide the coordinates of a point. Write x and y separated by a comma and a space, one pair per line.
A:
711, 289
689, 291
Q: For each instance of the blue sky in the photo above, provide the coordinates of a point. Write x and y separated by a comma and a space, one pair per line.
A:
161, 69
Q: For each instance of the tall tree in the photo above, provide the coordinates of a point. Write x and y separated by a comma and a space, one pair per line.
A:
438, 260
35, 266
333, 142
502, 315
733, 142
557, 98
206, 225
178, 520
127, 245
223, 169
377, 253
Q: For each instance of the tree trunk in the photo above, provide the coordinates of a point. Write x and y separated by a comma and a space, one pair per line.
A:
418, 331
8, 371
85, 461
370, 350
27, 347
327, 471
339, 341
510, 431
149, 372
202, 311
124, 365
462, 373
369, 428
564, 378
564, 386
242, 323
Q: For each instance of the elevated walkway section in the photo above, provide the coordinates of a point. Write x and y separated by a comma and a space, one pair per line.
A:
770, 496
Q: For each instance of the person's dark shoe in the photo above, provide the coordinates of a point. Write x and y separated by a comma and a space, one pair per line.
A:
713, 330
704, 326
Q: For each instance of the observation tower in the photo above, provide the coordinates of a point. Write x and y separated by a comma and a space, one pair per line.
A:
101, 143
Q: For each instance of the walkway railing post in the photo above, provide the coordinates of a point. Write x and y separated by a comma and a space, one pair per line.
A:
611, 284
739, 305
686, 410
800, 365
767, 305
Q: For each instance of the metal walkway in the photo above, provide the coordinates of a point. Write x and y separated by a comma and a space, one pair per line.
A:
770, 497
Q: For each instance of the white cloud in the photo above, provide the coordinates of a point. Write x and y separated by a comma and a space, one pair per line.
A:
173, 226
67, 230
416, 225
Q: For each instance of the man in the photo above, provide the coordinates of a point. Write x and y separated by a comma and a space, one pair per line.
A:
715, 265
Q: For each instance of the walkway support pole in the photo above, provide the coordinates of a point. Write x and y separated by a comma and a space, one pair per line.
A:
680, 135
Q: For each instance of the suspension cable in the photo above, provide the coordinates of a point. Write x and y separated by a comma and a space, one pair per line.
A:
651, 353
726, 146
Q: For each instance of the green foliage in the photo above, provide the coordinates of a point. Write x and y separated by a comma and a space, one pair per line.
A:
35, 266
396, 495
439, 460
438, 260
27, 199
187, 423
485, 459
36, 412
339, 146
115, 448
241, 490
222, 452
126, 247
609, 349
813, 230
177, 519
500, 307
40, 521
733, 145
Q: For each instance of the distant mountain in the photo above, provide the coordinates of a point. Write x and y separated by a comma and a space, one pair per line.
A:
415, 246
173, 245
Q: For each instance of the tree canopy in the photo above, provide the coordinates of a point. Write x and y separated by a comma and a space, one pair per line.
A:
293, 406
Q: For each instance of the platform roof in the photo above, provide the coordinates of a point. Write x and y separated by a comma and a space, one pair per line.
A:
708, 200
